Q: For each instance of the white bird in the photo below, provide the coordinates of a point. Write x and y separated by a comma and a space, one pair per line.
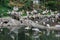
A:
27, 28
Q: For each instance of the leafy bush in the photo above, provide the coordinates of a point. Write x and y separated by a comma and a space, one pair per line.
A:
53, 5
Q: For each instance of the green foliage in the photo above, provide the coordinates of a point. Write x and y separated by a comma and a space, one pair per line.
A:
4, 2
53, 5
4, 7
28, 4
24, 14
